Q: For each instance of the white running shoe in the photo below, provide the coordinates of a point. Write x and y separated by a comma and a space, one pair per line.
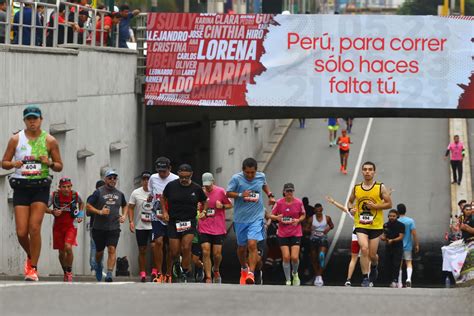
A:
318, 281
288, 282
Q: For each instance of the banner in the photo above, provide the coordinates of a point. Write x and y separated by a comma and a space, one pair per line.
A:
350, 61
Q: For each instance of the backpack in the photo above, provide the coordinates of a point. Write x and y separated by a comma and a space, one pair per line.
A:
122, 267
72, 205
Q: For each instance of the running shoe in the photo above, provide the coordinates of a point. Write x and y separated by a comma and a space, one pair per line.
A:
154, 275
250, 278
341, 169
400, 285
158, 279
65, 277
208, 280
108, 277
177, 270
167, 278
393, 285
288, 282
69, 277
98, 271
217, 277
143, 276
199, 275
408, 284
322, 258
296, 279
243, 276
186, 277
32, 275
365, 282
348, 283
374, 273
344, 171
27, 266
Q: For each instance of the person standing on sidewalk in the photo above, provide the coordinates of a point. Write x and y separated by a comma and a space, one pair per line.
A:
393, 232
32, 152
456, 148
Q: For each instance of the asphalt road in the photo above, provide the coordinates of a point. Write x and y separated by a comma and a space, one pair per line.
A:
55, 298
409, 158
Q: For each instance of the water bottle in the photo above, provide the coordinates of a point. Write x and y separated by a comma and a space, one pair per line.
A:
447, 282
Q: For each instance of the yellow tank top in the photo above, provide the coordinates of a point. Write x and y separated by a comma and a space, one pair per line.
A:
365, 218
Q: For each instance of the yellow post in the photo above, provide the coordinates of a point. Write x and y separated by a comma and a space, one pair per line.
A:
461, 7
445, 7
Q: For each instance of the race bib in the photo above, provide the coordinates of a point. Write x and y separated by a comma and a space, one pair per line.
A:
30, 168
366, 218
147, 212
183, 226
318, 234
344, 144
210, 212
253, 197
287, 220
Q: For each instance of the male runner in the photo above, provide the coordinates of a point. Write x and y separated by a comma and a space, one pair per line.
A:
140, 221
156, 185
410, 236
67, 208
344, 142
246, 189
367, 202
212, 227
31, 152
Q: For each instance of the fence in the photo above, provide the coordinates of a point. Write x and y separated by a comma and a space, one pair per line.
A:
33, 23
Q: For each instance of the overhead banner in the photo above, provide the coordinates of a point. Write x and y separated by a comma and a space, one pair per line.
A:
347, 61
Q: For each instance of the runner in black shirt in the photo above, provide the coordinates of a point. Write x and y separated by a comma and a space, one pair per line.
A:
393, 232
179, 202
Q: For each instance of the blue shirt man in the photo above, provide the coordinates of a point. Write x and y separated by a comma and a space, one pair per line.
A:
26, 31
124, 26
408, 239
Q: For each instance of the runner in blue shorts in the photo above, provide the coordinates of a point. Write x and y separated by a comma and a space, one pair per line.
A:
246, 189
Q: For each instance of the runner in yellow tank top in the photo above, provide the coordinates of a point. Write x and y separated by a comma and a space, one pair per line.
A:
367, 202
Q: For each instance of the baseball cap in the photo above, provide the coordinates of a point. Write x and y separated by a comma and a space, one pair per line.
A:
289, 186
146, 174
162, 164
31, 110
185, 168
111, 172
207, 178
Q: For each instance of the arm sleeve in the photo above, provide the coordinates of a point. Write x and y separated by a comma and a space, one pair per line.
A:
132, 200
276, 209
412, 225
233, 185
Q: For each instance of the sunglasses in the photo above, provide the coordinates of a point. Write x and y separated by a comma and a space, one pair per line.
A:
112, 178
289, 190
184, 177
64, 180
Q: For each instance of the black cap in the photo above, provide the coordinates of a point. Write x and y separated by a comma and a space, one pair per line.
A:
289, 186
124, 7
31, 110
185, 168
162, 164
146, 174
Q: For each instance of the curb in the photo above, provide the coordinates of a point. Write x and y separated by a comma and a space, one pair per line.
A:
272, 145
463, 191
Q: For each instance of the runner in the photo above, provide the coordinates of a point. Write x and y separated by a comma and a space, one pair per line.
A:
179, 203
393, 232
29, 153
196, 256
369, 198
246, 189
408, 239
333, 126
67, 209
92, 252
289, 212
105, 203
349, 121
156, 185
321, 225
457, 150
344, 142
140, 221
355, 249
212, 227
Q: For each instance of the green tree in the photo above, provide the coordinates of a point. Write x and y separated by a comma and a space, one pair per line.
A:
429, 7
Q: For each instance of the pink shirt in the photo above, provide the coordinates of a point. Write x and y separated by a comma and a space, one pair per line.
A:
293, 210
214, 223
456, 150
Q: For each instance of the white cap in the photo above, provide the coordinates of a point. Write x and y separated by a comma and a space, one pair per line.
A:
207, 178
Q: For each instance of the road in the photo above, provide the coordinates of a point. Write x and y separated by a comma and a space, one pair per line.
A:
55, 298
409, 158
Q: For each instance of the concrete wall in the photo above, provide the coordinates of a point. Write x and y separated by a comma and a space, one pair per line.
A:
233, 141
92, 93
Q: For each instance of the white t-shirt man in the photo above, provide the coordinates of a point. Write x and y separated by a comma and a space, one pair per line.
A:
143, 210
156, 185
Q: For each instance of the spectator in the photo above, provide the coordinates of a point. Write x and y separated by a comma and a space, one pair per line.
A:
127, 16
26, 29
457, 154
110, 20
77, 27
467, 223
3, 18
61, 25
461, 204
393, 232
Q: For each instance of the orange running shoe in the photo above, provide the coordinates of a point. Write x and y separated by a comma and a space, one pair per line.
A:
341, 169
158, 279
250, 278
27, 266
32, 275
344, 171
243, 276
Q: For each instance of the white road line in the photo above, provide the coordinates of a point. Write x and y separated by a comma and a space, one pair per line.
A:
354, 177
24, 283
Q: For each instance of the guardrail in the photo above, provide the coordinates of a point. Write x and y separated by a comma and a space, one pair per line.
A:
50, 25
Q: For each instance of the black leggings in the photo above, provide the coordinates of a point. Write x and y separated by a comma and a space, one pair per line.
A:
456, 165
393, 258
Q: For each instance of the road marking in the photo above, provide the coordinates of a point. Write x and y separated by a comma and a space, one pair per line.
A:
25, 283
354, 177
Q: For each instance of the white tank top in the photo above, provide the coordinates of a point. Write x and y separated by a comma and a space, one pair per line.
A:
29, 153
318, 227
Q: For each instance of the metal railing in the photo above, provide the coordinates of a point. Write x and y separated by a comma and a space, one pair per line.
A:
140, 36
42, 24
